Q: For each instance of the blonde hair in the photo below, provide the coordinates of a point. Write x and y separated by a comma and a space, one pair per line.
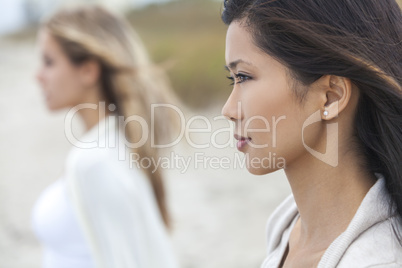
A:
128, 78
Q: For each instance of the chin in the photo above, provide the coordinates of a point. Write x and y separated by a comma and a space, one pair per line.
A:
51, 106
261, 171
265, 165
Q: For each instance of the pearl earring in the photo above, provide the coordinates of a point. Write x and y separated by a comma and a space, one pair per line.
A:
326, 113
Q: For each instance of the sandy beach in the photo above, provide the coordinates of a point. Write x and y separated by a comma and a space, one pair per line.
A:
219, 214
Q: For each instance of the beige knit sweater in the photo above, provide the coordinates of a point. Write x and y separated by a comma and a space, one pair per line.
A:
368, 241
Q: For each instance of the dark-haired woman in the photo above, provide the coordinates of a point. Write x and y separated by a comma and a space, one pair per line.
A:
317, 85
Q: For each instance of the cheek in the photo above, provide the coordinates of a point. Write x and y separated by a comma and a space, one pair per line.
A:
62, 88
272, 108
282, 130
279, 115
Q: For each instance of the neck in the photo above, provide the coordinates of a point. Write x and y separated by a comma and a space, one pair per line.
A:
327, 197
91, 117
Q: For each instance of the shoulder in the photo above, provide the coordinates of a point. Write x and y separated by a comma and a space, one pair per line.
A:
279, 221
104, 143
81, 156
98, 181
376, 247
101, 166
369, 240
85, 157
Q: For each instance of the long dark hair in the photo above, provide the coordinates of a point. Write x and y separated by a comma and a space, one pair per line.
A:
359, 40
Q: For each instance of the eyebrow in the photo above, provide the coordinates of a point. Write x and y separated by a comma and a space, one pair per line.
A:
233, 64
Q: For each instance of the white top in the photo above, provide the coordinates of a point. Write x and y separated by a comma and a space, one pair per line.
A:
56, 226
113, 204
368, 241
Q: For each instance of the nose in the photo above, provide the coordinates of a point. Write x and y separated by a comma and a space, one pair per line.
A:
40, 77
232, 108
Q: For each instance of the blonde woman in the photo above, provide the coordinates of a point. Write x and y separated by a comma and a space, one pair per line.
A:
103, 212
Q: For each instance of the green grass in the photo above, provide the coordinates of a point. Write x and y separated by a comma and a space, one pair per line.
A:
189, 37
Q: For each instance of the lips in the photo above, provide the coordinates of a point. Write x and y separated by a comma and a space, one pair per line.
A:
241, 141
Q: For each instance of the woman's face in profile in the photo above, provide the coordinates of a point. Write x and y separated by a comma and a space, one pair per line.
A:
267, 115
57, 76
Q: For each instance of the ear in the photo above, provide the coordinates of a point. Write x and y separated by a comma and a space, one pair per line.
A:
336, 93
90, 73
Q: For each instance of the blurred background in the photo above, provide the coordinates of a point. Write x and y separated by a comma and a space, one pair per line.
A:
219, 215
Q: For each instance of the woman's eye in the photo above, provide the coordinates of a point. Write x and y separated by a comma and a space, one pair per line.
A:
240, 78
47, 61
